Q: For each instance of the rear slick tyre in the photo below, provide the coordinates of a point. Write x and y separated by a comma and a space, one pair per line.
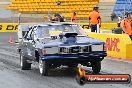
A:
24, 64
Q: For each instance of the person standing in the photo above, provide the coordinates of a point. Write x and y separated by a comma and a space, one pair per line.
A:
131, 18
126, 25
74, 18
94, 20
119, 21
113, 16
58, 17
49, 17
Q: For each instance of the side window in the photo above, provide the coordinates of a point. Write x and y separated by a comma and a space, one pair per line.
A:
38, 33
41, 32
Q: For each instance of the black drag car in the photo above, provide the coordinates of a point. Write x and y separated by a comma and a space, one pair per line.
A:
56, 44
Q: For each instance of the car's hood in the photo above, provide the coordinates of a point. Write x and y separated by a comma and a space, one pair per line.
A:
90, 40
48, 45
80, 41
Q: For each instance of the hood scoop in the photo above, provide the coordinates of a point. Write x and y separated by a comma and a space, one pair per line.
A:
68, 37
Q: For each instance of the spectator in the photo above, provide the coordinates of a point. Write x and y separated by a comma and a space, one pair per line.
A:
126, 25
113, 16
95, 20
58, 17
58, 3
119, 21
49, 17
61, 19
73, 17
131, 18
131, 15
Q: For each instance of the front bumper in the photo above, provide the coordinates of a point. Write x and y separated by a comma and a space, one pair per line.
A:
98, 55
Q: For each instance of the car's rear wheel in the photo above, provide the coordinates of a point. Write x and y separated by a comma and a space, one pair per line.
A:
24, 64
96, 67
43, 67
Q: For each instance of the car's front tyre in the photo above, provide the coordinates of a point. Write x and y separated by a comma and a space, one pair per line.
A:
43, 67
96, 67
23, 62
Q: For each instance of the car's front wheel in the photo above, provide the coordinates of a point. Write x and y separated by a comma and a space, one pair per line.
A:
96, 67
24, 64
43, 67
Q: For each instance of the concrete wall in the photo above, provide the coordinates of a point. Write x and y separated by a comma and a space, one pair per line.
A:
117, 45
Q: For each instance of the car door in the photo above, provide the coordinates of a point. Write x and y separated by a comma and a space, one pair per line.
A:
30, 45
24, 44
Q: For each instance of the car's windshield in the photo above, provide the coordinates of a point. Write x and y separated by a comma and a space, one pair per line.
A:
55, 30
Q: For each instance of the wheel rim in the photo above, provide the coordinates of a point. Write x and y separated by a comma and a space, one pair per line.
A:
21, 60
41, 66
